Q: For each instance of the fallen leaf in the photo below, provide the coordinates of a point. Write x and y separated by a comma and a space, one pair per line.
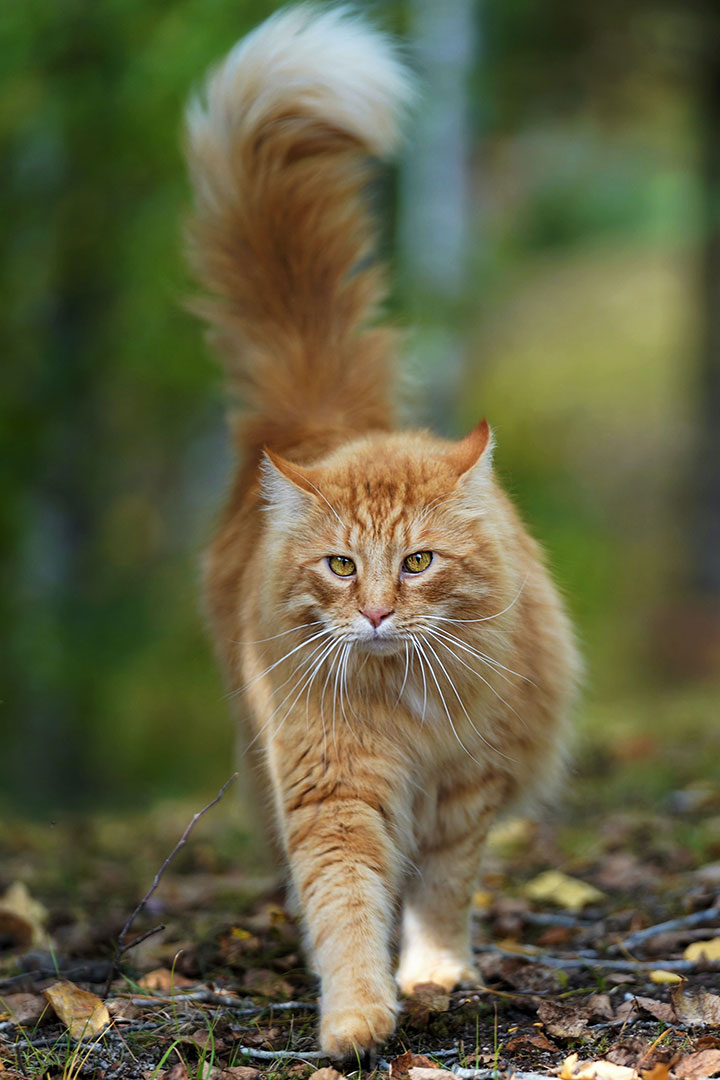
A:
659, 1009
23, 1008
563, 1021
529, 1042
83, 1014
661, 1071
662, 978
22, 918
164, 980
401, 1065
326, 1074
177, 1072
246, 1072
703, 950
632, 1051
554, 887
703, 1063
695, 1007
482, 899
573, 1069
121, 1009
426, 1000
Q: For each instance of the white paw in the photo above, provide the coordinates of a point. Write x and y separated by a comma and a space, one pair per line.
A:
445, 971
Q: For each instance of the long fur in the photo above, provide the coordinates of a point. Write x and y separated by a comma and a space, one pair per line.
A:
280, 148
392, 714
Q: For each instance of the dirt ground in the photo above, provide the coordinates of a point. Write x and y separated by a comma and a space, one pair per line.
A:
578, 977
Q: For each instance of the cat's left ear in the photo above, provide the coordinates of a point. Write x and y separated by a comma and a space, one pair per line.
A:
471, 458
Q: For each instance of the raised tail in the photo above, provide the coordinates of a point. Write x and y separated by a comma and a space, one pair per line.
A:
280, 148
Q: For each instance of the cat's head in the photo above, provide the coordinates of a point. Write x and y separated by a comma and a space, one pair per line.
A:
385, 537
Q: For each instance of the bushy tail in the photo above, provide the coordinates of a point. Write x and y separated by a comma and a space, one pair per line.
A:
279, 150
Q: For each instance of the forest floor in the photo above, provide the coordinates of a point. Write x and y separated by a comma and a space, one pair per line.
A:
578, 977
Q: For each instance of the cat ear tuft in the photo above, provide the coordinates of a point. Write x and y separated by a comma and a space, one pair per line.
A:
285, 487
473, 454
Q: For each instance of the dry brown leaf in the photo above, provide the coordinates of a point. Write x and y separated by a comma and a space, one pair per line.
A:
573, 1069
563, 1021
554, 887
695, 1007
703, 1063
83, 1014
659, 1009
164, 980
177, 1072
23, 1008
121, 1009
703, 950
246, 1072
401, 1065
418, 1072
325, 1074
533, 1041
22, 918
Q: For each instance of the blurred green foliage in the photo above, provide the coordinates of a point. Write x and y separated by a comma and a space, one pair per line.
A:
581, 315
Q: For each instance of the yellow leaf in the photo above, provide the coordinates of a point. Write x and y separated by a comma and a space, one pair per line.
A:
83, 1014
554, 887
660, 977
22, 918
703, 950
573, 1069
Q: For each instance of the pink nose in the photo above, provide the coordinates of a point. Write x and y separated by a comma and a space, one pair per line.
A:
376, 614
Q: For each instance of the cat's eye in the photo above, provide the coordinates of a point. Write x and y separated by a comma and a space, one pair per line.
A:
417, 562
341, 565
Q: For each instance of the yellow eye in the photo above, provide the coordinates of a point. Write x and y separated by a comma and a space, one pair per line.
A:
341, 566
415, 564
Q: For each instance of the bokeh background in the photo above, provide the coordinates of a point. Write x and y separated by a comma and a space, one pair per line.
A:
554, 232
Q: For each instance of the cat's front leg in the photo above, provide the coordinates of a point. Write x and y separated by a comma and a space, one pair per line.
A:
435, 943
345, 869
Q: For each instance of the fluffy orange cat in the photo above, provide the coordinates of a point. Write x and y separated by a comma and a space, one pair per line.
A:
406, 665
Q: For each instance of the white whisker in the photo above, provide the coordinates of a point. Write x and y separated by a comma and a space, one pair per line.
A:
271, 667
486, 618
479, 734
292, 630
422, 656
489, 660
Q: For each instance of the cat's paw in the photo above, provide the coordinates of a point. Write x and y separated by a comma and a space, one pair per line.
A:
443, 971
344, 1032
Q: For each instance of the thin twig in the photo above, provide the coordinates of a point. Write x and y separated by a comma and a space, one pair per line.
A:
685, 922
683, 966
143, 937
120, 943
272, 1055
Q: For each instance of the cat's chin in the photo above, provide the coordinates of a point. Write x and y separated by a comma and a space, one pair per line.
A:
379, 646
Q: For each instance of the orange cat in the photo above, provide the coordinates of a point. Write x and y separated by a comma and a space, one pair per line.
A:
405, 662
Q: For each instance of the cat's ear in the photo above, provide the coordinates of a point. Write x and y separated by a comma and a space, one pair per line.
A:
471, 459
286, 487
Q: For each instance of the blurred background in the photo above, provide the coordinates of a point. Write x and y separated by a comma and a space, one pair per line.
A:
554, 232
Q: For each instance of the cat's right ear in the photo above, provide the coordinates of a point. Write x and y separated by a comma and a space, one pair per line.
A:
285, 487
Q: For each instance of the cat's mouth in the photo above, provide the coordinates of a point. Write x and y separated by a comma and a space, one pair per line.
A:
380, 645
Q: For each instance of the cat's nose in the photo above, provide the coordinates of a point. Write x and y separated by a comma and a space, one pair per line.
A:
375, 615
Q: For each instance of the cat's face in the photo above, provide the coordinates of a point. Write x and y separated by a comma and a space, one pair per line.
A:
384, 539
